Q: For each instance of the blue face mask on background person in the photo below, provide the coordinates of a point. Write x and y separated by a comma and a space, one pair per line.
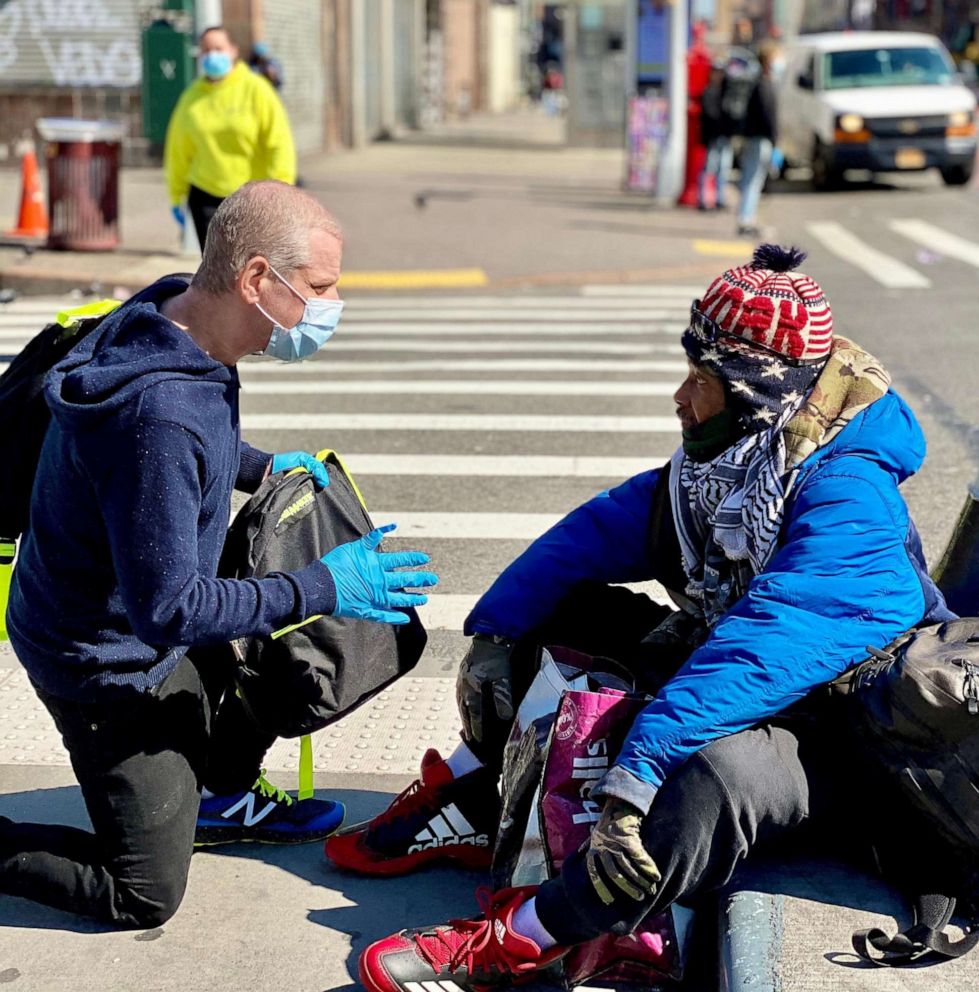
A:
314, 329
216, 65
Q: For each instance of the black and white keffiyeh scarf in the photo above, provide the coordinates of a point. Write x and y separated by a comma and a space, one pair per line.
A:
728, 513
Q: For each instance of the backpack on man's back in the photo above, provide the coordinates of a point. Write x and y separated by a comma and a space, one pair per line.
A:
24, 414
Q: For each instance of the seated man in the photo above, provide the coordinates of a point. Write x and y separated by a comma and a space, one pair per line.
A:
779, 530
117, 573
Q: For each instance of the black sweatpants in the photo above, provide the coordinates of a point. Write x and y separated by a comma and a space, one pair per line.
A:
140, 761
202, 208
743, 794
747, 792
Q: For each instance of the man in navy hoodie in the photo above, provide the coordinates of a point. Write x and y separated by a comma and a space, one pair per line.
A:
117, 573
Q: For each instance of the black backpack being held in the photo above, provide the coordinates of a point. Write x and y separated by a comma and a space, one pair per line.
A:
304, 677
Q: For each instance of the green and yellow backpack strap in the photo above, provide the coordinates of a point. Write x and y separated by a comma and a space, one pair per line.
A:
75, 315
327, 454
8, 551
306, 741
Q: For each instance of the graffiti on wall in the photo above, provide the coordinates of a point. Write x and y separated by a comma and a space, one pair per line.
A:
69, 43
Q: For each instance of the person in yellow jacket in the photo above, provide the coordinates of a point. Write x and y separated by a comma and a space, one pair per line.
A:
228, 128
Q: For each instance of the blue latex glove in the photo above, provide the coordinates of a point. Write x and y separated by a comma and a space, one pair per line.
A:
368, 587
302, 459
178, 214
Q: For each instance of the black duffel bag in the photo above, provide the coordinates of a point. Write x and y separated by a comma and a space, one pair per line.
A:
304, 677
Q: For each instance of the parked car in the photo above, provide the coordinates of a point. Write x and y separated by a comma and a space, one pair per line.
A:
875, 100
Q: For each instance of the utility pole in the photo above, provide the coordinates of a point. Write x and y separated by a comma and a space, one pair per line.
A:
207, 13
669, 182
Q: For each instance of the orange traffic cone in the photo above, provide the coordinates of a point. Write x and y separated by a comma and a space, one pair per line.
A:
32, 221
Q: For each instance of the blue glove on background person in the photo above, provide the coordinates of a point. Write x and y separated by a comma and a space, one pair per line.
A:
367, 585
178, 214
302, 459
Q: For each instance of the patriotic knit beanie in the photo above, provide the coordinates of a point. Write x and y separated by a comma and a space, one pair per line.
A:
766, 331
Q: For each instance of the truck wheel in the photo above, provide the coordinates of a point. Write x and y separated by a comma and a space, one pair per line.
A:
957, 175
824, 175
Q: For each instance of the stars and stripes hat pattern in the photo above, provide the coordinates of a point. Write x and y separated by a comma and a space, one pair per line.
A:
766, 331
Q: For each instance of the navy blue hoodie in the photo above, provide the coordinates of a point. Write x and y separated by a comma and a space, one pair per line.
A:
116, 573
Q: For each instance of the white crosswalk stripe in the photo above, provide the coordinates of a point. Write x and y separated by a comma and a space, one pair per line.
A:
497, 466
396, 345
512, 314
883, 268
456, 387
453, 422
633, 291
327, 367
509, 328
939, 240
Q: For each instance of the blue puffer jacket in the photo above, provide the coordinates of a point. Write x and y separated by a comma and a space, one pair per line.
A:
849, 572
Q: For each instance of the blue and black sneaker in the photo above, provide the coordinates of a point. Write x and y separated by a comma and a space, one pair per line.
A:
267, 815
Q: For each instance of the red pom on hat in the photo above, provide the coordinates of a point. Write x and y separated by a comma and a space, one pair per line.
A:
768, 303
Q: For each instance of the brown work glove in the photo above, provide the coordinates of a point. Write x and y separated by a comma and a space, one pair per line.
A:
616, 855
484, 680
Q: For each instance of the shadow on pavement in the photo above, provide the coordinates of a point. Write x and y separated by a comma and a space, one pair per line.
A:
868, 184
824, 879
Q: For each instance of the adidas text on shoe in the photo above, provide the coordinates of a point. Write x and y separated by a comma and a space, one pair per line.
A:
461, 955
437, 818
267, 815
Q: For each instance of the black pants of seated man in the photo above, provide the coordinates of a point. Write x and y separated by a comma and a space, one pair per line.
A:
140, 760
750, 792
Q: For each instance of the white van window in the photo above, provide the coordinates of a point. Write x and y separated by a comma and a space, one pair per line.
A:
925, 66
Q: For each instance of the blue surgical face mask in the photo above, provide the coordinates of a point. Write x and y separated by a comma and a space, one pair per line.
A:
216, 65
314, 329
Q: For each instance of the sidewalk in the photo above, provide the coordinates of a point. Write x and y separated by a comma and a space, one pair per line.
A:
499, 198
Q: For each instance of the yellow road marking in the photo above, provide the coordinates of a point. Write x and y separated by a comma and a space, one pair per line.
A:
734, 249
414, 279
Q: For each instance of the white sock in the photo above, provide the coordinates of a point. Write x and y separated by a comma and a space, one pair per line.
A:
527, 923
462, 761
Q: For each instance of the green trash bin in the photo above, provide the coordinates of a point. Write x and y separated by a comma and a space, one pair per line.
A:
168, 69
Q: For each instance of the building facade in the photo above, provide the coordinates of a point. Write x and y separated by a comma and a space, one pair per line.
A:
354, 70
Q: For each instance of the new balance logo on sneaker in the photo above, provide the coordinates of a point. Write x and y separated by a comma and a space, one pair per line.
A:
266, 814
247, 802
448, 827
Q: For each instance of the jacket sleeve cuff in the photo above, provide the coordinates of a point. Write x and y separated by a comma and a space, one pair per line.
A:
319, 590
620, 784
251, 470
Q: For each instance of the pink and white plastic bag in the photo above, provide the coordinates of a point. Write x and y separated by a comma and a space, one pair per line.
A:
565, 738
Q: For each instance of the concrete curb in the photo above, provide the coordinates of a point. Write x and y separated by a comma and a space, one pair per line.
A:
750, 938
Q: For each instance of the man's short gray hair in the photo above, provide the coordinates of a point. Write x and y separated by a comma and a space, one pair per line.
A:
266, 218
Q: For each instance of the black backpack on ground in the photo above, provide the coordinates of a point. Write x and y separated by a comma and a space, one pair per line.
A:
304, 677
914, 711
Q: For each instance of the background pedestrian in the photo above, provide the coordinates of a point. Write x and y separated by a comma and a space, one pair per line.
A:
228, 128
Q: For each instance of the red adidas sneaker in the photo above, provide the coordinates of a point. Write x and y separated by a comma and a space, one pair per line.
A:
437, 818
460, 955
